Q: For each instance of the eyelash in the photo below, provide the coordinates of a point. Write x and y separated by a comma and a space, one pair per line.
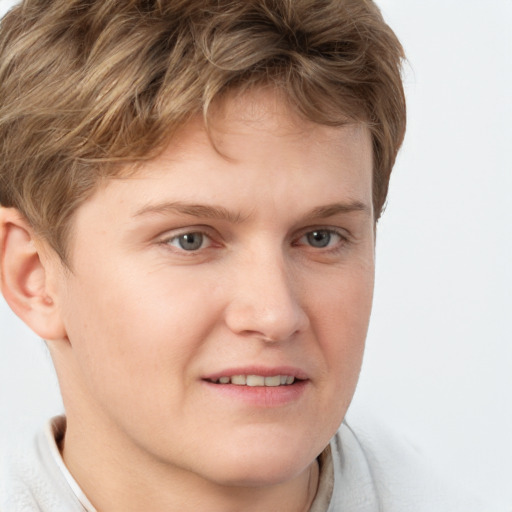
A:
342, 240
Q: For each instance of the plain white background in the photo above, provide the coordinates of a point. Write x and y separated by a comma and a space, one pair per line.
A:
439, 355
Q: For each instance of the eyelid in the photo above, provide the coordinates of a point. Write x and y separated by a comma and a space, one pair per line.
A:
185, 230
343, 233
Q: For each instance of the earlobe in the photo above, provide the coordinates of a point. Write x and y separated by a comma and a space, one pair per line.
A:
24, 277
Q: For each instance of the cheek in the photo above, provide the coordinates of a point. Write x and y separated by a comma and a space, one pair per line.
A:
340, 319
343, 299
128, 332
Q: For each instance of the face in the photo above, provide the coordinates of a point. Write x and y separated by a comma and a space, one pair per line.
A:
219, 298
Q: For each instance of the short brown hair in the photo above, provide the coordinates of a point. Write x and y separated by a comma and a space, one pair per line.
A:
87, 85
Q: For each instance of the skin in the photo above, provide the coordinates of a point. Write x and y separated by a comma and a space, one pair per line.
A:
138, 323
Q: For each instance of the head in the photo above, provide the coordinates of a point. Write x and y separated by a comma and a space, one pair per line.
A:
88, 87
191, 191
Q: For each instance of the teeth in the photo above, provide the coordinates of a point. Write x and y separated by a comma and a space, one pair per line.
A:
239, 380
273, 381
257, 380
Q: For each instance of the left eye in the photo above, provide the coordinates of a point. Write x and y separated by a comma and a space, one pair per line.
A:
190, 241
321, 238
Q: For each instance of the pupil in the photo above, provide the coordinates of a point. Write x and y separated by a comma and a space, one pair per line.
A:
319, 238
191, 241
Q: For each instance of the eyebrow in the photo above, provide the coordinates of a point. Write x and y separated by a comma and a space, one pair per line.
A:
193, 210
221, 213
330, 210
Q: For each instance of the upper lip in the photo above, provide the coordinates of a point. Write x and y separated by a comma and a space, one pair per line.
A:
266, 371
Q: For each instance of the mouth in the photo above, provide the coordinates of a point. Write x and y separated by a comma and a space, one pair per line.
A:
272, 381
258, 386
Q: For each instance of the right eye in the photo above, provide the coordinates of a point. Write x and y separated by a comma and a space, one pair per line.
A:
190, 242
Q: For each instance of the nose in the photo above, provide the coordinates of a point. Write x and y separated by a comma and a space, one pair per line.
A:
265, 302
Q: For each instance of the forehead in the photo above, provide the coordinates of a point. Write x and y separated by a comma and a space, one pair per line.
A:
268, 111
250, 127
255, 148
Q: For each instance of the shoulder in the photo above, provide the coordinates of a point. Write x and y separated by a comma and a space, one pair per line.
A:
29, 481
17, 470
385, 473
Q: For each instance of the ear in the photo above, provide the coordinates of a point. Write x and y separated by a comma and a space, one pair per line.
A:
25, 276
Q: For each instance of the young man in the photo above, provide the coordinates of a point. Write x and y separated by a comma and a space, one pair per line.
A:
189, 196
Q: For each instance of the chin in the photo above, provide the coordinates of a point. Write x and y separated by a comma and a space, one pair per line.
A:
260, 474
259, 463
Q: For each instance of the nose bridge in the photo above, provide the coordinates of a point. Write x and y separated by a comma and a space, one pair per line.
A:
265, 300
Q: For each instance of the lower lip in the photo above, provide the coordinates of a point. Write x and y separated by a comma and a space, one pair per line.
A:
261, 396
